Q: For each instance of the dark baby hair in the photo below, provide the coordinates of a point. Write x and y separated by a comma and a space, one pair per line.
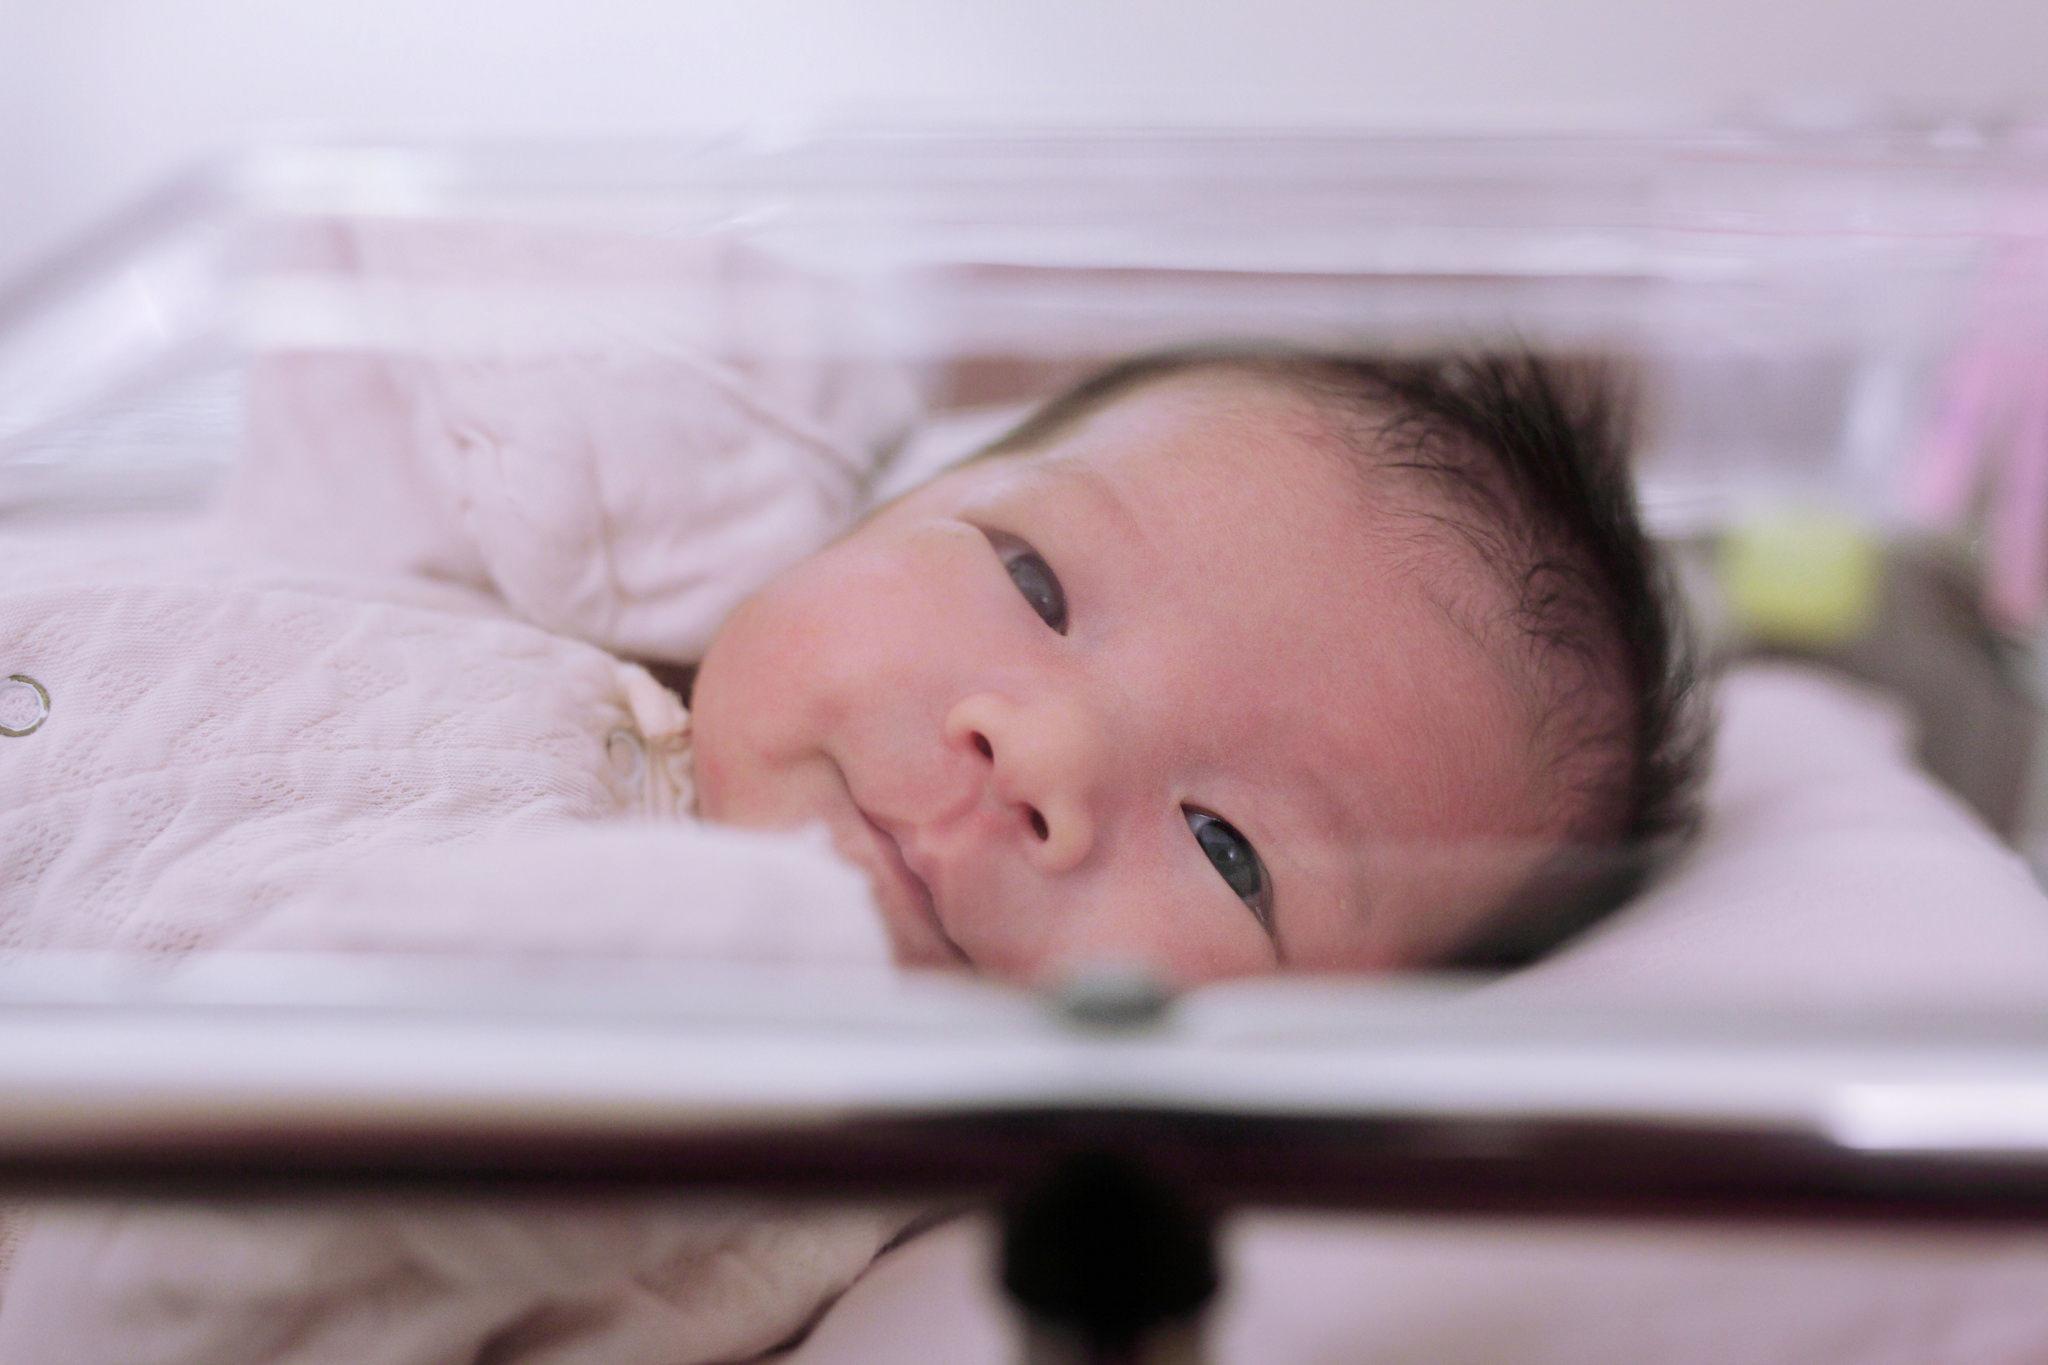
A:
1528, 460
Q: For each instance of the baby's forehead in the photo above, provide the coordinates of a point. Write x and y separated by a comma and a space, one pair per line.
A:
1223, 427
1221, 463
1344, 529
1231, 395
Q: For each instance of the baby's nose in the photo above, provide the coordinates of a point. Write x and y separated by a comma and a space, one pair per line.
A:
1040, 759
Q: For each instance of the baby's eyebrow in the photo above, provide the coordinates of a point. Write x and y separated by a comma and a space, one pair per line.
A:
1109, 503
1334, 847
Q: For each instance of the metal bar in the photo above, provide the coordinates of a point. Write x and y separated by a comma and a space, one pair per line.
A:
1384, 1105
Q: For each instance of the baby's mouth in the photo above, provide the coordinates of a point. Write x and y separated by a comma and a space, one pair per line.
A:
913, 888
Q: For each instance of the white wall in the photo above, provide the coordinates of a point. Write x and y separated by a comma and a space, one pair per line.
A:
99, 98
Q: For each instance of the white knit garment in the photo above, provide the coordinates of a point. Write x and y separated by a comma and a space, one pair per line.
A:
219, 743
381, 706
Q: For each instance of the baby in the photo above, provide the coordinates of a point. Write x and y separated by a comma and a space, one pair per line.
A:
1228, 662
1222, 663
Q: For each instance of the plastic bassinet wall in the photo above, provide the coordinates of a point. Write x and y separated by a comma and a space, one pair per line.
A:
1791, 301
1832, 338
1843, 326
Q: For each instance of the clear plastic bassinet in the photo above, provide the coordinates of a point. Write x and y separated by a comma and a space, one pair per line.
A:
1840, 349
1817, 326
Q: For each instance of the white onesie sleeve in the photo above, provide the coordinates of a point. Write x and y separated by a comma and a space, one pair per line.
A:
394, 1284
618, 435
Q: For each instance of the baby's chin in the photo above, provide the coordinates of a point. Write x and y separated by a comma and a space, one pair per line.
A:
813, 795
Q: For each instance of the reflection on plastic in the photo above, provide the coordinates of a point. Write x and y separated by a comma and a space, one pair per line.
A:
1942, 1117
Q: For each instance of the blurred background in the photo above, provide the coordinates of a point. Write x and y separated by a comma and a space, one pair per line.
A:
100, 99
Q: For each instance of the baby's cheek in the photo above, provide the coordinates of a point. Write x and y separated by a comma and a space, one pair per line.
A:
854, 612
1186, 940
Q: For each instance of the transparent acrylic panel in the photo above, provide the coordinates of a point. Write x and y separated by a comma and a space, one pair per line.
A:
351, 849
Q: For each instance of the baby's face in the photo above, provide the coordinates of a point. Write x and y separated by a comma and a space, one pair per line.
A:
1175, 690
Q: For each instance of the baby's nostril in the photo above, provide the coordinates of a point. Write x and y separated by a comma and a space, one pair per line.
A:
981, 744
1039, 827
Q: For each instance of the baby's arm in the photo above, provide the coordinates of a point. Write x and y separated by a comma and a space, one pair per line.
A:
645, 890
392, 1285
617, 435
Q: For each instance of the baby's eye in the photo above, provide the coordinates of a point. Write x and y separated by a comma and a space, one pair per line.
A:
1231, 854
1034, 578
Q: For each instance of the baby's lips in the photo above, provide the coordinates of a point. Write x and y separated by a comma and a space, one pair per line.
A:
915, 936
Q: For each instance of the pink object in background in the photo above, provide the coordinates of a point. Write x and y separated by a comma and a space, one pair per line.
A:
1988, 441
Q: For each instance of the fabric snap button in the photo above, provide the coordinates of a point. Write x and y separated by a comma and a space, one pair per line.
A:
24, 705
624, 751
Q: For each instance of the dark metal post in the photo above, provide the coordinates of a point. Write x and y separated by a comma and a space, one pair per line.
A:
1108, 1263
